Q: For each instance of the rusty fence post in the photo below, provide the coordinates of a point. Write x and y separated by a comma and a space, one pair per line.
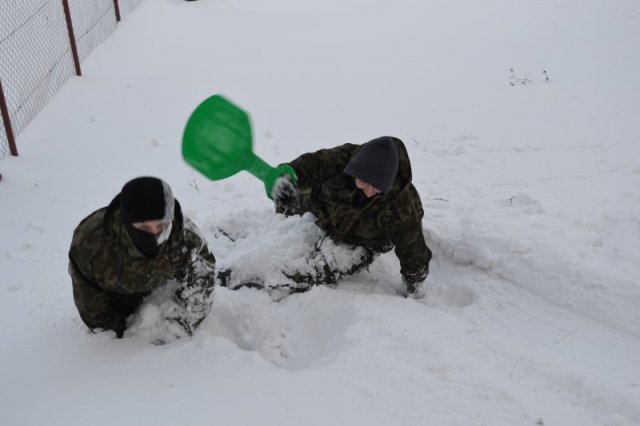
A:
6, 119
116, 7
72, 37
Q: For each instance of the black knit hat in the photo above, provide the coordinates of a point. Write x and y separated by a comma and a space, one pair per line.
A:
376, 163
146, 198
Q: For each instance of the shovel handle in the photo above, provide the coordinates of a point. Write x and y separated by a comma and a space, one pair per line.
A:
267, 174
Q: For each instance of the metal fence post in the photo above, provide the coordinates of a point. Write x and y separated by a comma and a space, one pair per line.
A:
72, 37
116, 6
6, 119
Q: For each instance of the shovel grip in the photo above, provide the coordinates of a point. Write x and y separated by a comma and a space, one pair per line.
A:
267, 174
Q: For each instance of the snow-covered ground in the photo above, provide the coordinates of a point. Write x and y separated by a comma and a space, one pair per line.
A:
531, 195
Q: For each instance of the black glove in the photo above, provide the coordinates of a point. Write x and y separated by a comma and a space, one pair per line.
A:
415, 283
284, 193
415, 290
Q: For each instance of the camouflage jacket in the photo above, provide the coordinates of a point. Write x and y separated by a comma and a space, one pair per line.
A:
342, 210
111, 277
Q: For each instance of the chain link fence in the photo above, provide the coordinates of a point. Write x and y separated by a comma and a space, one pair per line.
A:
127, 6
42, 43
91, 25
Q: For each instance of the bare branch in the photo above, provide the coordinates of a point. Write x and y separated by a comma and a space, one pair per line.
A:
515, 79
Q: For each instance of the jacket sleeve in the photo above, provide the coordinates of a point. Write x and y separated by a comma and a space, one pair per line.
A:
315, 167
413, 253
196, 279
410, 245
93, 303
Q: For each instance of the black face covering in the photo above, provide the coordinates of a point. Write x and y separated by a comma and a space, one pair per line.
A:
143, 199
145, 242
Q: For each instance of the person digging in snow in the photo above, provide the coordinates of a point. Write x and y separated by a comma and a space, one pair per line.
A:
140, 243
363, 199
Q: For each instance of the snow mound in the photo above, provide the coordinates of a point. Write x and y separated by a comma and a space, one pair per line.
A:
296, 333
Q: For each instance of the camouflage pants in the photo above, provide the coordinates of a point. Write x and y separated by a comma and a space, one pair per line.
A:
325, 263
328, 266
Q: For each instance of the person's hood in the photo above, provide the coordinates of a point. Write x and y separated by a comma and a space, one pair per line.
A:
376, 163
404, 175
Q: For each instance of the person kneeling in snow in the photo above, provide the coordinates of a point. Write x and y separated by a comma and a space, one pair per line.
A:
141, 243
365, 204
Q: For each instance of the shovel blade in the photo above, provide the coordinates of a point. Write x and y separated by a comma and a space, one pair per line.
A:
217, 139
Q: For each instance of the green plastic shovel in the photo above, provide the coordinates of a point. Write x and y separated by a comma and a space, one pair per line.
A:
217, 142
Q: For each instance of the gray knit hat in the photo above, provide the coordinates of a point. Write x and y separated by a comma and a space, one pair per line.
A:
376, 163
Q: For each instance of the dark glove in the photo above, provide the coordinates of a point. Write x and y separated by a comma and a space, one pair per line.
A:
284, 193
415, 290
415, 283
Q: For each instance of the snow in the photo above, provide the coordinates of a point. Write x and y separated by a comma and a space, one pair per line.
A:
531, 196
